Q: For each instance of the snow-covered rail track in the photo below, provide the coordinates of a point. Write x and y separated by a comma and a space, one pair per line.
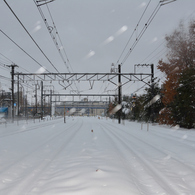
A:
24, 172
164, 169
168, 154
91, 156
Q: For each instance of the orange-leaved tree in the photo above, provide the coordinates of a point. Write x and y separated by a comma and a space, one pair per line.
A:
180, 56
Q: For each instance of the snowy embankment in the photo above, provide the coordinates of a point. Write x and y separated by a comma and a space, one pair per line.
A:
51, 157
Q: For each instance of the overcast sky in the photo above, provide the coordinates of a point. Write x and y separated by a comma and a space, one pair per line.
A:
94, 34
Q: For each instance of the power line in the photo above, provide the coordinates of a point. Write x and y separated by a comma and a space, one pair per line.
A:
6, 68
3, 66
31, 39
140, 88
52, 29
152, 16
30, 36
133, 31
55, 39
5, 78
5, 58
62, 47
22, 49
162, 52
24, 52
27, 85
153, 52
142, 32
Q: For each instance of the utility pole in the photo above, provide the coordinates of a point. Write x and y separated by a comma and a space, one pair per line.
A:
119, 92
35, 98
12, 88
25, 104
152, 86
64, 114
50, 103
41, 100
18, 97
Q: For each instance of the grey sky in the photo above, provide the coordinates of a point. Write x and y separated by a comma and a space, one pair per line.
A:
93, 32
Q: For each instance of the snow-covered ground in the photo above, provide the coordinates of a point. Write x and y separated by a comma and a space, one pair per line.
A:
53, 157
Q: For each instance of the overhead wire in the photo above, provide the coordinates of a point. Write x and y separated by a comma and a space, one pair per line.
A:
128, 87
25, 53
161, 44
55, 37
127, 44
152, 16
8, 69
51, 29
161, 53
4, 62
142, 32
4, 67
161, 76
60, 41
139, 88
23, 50
33, 40
4, 59
31, 36
5, 78
133, 31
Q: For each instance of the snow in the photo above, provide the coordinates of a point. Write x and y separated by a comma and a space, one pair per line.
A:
53, 157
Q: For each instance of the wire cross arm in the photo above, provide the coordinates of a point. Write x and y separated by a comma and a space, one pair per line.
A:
39, 3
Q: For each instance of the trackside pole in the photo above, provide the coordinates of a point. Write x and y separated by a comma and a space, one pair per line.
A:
143, 125
147, 126
119, 93
64, 115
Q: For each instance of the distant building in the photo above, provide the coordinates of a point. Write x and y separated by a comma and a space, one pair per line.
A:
83, 108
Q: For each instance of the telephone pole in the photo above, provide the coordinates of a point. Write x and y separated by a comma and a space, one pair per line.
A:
35, 98
119, 93
42, 100
12, 88
152, 86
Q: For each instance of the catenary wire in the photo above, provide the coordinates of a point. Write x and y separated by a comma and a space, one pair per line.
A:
142, 32
31, 36
59, 39
133, 32
24, 51
6, 68
55, 37
152, 16
33, 39
52, 31
5, 78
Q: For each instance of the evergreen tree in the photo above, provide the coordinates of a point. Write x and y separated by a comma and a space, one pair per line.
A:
151, 113
184, 105
177, 91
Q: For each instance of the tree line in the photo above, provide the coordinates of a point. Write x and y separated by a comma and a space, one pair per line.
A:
176, 105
